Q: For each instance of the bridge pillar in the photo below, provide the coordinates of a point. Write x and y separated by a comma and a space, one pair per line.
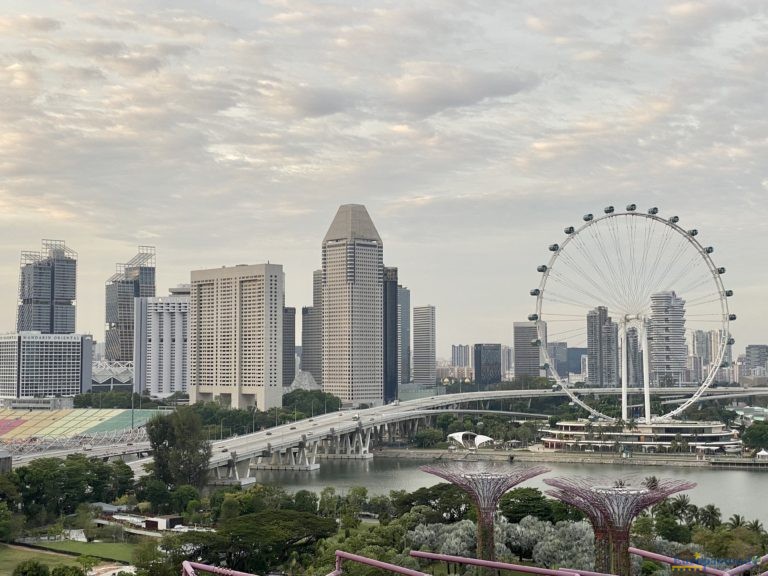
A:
301, 457
355, 445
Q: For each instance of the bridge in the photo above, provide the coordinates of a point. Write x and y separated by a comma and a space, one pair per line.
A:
350, 434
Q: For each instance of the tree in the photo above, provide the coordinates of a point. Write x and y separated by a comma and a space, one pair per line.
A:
709, 516
67, 571
569, 544
182, 496
446, 502
521, 502
10, 524
756, 436
30, 568
523, 536
88, 563
428, 437
736, 521
306, 501
180, 451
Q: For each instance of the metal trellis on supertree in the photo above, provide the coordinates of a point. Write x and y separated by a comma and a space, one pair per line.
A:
485, 484
611, 506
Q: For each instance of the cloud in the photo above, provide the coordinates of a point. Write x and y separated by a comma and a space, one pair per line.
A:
427, 88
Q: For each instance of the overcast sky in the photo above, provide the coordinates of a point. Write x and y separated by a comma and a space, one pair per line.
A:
228, 132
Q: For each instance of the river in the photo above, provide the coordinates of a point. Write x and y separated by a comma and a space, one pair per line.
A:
733, 491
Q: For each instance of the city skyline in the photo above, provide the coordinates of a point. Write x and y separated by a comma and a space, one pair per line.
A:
159, 127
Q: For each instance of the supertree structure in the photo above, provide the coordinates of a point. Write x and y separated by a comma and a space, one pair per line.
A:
611, 506
485, 484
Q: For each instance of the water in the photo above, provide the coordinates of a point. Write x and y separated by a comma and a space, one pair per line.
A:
733, 491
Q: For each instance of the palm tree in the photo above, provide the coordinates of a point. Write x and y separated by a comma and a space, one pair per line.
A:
736, 521
680, 506
651, 482
709, 516
756, 526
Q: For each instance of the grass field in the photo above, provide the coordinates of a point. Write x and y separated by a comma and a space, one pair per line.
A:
11, 556
120, 551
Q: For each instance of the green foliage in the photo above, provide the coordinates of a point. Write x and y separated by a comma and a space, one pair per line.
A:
115, 399
180, 451
444, 502
428, 437
51, 487
31, 568
521, 502
725, 542
668, 528
67, 571
756, 436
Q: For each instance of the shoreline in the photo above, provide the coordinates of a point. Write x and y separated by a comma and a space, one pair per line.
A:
680, 461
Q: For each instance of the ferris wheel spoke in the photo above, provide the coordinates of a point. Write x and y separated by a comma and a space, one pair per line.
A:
623, 272
658, 278
611, 269
681, 271
598, 298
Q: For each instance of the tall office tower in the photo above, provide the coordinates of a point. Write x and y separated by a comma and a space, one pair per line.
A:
161, 332
47, 289
391, 336
635, 364
668, 350
558, 356
528, 356
404, 335
39, 365
236, 336
289, 345
487, 364
424, 354
134, 279
312, 331
507, 363
756, 357
602, 348
353, 310
702, 347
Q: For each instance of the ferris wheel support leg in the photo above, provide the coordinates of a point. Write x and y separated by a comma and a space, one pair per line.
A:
624, 370
646, 375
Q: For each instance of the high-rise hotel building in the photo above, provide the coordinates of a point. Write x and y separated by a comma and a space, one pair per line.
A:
134, 279
236, 336
47, 289
353, 310
161, 330
44, 365
668, 348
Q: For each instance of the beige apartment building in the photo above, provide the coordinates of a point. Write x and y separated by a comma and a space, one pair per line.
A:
236, 336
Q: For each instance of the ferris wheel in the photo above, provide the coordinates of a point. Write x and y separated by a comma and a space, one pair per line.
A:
638, 300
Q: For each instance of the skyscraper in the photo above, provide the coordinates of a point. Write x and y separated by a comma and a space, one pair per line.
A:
236, 336
702, 347
635, 363
488, 364
353, 310
161, 332
391, 335
47, 289
558, 356
507, 363
424, 359
404, 335
756, 357
289, 345
312, 331
527, 353
602, 348
134, 279
461, 355
668, 349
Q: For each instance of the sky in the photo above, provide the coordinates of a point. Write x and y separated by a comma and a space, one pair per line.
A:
473, 131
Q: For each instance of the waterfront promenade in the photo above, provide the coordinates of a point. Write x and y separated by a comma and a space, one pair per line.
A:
676, 460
